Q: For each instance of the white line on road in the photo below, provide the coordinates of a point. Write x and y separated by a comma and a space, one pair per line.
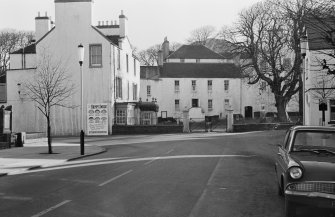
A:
156, 158
115, 178
52, 208
135, 160
169, 151
16, 198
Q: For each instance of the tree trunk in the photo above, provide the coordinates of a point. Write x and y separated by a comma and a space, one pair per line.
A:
281, 109
49, 135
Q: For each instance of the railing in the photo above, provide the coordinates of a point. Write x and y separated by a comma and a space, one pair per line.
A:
145, 121
3, 93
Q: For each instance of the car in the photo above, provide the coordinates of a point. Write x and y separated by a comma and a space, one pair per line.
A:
305, 169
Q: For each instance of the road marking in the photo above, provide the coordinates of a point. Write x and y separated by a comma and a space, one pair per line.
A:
169, 151
156, 158
115, 178
127, 160
51, 208
15, 198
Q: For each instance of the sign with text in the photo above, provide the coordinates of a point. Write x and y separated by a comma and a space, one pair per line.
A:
97, 119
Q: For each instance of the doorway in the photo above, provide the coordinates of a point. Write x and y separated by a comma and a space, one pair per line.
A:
248, 112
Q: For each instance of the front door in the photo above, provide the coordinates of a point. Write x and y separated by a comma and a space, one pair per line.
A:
195, 102
248, 112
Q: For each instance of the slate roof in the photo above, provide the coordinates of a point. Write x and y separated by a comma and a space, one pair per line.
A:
114, 39
200, 70
194, 52
30, 49
319, 33
149, 72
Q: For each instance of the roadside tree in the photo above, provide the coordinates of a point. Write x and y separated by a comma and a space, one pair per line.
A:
50, 86
271, 40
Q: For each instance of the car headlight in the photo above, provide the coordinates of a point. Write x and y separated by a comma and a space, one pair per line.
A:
295, 172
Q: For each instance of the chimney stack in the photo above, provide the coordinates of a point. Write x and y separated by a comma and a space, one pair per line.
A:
42, 26
165, 49
123, 25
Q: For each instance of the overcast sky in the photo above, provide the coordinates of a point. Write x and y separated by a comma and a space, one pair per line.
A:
149, 20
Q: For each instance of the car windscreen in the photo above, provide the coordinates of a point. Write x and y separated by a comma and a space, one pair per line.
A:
314, 139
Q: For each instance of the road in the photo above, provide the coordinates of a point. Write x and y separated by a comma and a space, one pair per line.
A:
219, 176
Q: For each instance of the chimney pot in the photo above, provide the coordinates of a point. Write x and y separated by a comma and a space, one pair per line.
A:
99, 23
46, 14
107, 23
39, 14
103, 23
121, 12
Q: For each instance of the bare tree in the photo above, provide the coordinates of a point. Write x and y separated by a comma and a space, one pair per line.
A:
321, 22
202, 34
175, 46
11, 40
271, 39
50, 86
149, 57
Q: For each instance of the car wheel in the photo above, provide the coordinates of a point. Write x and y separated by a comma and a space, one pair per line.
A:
290, 209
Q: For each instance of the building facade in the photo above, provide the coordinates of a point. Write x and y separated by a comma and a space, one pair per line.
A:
111, 73
204, 82
318, 66
192, 78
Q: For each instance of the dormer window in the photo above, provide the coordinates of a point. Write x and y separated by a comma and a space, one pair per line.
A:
95, 55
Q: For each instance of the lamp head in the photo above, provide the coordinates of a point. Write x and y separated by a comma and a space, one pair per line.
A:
303, 45
81, 54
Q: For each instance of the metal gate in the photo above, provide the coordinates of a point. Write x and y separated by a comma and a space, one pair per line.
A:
208, 124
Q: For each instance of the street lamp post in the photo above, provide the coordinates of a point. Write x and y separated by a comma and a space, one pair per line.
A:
82, 133
303, 47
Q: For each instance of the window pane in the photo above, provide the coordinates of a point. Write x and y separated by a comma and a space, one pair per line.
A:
95, 55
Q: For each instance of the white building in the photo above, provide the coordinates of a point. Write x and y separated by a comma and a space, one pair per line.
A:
319, 80
204, 82
111, 72
193, 78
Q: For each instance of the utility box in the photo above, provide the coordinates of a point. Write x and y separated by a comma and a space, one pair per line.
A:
6, 120
5, 126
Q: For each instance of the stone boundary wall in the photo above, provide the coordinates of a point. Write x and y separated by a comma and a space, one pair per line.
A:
261, 127
152, 129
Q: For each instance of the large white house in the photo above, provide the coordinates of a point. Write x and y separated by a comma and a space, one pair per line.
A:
111, 73
319, 72
204, 82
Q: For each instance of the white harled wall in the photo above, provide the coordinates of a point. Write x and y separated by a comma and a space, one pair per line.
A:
73, 27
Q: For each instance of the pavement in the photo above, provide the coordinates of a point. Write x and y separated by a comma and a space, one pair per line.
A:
35, 155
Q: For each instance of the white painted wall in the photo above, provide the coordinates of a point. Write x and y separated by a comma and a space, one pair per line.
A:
314, 73
73, 27
240, 95
165, 93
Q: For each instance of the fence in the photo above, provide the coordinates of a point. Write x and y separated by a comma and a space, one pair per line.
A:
144, 121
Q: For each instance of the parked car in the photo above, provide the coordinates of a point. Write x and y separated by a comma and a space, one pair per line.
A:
305, 168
